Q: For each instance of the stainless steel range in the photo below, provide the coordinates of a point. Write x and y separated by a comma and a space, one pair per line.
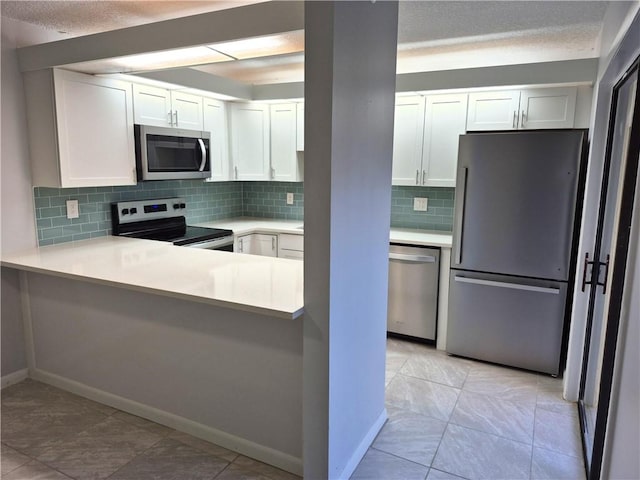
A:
164, 220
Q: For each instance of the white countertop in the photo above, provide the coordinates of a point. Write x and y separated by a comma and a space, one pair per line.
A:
245, 225
264, 285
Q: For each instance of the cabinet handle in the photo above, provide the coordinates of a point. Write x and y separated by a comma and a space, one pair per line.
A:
514, 123
522, 119
240, 244
417, 177
176, 115
235, 169
424, 174
273, 173
273, 243
170, 117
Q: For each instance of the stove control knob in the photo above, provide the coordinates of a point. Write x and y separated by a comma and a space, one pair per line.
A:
176, 206
125, 211
133, 211
182, 205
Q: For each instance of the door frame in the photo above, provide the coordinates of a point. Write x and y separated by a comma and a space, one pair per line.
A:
618, 266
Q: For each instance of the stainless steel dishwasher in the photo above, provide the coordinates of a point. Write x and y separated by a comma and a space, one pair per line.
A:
413, 291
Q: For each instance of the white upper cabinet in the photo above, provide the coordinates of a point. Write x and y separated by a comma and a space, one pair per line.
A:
165, 108
250, 141
493, 110
215, 122
80, 129
187, 110
548, 108
425, 139
284, 157
300, 127
445, 121
408, 134
522, 109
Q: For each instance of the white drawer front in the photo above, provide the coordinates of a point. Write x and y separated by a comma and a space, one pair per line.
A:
291, 242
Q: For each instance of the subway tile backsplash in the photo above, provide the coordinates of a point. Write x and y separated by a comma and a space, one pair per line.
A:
205, 202
439, 214
215, 201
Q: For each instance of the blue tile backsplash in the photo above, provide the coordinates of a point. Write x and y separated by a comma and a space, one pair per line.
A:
215, 201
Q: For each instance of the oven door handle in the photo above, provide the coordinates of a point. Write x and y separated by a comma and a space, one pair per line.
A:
203, 150
211, 244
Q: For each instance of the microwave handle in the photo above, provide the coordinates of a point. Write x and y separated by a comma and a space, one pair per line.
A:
203, 150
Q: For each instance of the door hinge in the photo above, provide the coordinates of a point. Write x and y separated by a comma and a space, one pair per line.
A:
595, 272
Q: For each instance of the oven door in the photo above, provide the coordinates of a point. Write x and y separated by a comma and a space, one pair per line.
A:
225, 244
171, 153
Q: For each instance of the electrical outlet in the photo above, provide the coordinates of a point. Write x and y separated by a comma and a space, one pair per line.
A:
420, 204
289, 198
73, 211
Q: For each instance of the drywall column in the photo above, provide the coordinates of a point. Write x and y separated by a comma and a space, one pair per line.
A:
350, 57
16, 205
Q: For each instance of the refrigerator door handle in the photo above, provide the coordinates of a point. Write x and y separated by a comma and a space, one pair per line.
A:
460, 217
515, 286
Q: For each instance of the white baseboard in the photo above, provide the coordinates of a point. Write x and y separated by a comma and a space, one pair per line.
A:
14, 377
237, 444
366, 442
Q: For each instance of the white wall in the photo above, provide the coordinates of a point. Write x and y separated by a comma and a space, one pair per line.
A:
349, 97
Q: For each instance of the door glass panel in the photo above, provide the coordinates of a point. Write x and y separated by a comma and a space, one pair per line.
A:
609, 213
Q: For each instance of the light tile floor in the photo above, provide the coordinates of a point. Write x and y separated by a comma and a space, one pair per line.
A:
449, 418
50, 434
452, 418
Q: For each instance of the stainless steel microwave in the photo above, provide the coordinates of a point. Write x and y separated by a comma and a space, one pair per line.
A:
171, 153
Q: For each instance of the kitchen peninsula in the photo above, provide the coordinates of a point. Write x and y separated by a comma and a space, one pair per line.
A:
205, 342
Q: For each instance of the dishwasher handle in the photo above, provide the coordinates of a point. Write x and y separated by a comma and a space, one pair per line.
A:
412, 258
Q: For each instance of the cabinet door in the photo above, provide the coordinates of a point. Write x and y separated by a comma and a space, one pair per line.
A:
300, 127
266, 245
215, 122
407, 140
250, 141
445, 121
258, 244
548, 108
493, 110
95, 130
187, 110
284, 159
152, 106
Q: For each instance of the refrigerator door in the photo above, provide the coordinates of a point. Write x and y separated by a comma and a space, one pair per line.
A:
515, 202
506, 320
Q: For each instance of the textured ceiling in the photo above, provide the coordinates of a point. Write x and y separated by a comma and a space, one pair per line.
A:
77, 18
433, 35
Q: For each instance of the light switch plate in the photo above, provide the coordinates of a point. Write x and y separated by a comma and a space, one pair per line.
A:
73, 211
289, 198
420, 204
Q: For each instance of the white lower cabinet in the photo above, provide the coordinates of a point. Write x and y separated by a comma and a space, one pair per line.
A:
80, 129
257, 244
291, 246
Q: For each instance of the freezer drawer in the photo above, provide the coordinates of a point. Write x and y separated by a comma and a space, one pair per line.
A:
507, 320
413, 291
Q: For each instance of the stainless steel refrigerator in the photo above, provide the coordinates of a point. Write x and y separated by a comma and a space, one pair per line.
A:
516, 204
